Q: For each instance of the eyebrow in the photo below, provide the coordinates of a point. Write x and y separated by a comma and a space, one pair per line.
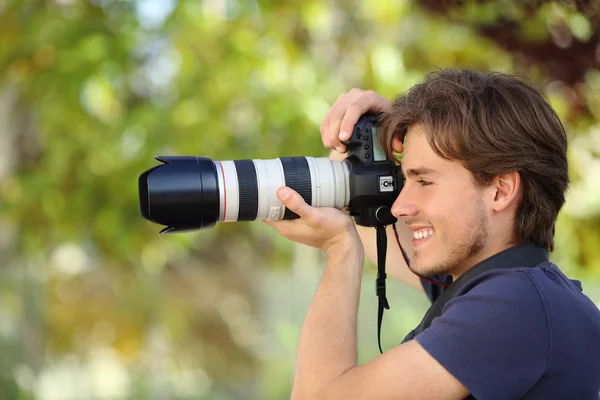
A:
421, 171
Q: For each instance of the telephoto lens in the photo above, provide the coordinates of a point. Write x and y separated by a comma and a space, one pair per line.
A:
188, 193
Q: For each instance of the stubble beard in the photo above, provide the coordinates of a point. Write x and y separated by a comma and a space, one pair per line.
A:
459, 246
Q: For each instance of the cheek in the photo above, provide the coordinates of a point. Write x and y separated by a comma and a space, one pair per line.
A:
450, 213
442, 204
464, 216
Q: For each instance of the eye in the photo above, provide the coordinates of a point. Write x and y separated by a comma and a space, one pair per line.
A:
424, 183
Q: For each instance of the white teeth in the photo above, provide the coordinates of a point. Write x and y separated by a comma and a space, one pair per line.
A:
423, 234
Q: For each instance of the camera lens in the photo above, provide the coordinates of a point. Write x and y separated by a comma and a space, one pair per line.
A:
188, 193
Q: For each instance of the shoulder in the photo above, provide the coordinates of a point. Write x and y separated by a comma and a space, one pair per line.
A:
500, 301
493, 331
504, 283
505, 299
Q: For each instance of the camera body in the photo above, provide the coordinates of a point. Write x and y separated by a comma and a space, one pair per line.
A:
375, 181
188, 192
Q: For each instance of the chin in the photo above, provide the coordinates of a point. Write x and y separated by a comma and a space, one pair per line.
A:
428, 267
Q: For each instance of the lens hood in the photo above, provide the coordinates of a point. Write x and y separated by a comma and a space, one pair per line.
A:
182, 193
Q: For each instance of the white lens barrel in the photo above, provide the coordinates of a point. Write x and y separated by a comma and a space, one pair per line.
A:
248, 188
270, 177
228, 191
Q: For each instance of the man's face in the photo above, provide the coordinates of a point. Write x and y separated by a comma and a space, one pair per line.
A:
442, 206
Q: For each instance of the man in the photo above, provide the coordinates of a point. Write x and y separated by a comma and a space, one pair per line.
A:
485, 166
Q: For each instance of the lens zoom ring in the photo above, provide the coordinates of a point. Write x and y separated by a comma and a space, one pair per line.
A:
297, 176
248, 189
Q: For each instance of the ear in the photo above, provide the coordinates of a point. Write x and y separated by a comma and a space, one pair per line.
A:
506, 191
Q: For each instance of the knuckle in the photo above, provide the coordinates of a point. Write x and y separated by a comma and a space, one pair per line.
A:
355, 90
370, 94
328, 137
315, 220
284, 232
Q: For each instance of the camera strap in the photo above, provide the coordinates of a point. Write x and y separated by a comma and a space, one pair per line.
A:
380, 281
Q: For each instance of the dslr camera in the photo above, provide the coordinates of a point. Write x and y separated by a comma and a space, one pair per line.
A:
188, 193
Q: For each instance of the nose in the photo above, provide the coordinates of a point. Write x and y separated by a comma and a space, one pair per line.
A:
405, 205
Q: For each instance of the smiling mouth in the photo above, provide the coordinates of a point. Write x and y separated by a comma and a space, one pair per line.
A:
421, 236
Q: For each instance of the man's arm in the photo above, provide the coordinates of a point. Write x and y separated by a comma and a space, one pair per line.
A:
404, 372
326, 366
395, 265
327, 345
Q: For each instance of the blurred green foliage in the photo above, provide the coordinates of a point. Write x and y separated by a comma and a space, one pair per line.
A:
94, 304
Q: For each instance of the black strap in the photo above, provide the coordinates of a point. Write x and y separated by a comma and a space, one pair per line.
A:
523, 255
380, 281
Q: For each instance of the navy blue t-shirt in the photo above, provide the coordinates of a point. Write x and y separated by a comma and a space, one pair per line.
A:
522, 333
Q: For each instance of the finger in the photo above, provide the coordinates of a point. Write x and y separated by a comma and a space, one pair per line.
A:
324, 126
270, 223
327, 120
351, 117
335, 119
294, 202
283, 227
331, 141
277, 224
365, 102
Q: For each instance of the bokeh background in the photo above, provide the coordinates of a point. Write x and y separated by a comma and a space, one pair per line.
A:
94, 304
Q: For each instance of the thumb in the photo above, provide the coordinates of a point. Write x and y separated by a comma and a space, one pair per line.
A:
293, 201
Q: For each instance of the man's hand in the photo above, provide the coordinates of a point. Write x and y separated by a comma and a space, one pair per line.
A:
339, 122
324, 228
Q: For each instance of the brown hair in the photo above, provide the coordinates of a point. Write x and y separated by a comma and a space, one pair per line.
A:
492, 124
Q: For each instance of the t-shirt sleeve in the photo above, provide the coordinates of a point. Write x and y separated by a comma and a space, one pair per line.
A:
493, 335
